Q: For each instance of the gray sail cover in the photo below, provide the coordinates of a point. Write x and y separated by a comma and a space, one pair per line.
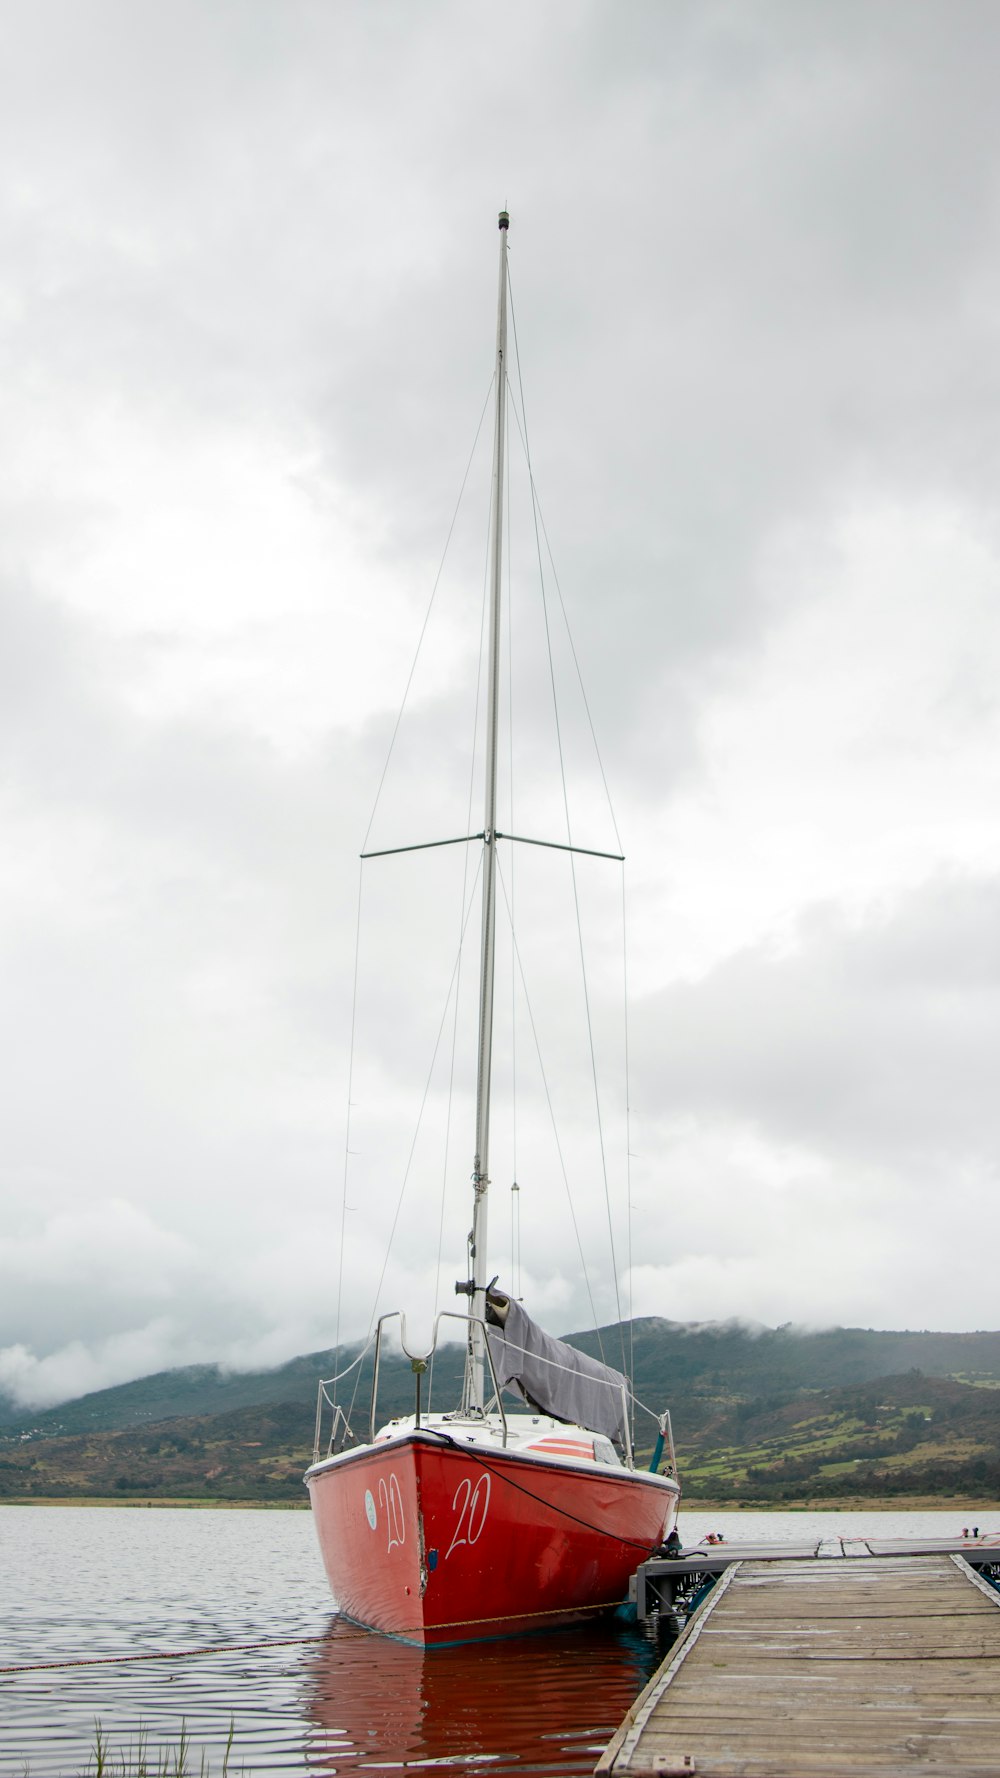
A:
559, 1379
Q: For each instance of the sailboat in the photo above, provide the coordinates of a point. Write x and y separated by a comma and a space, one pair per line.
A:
451, 1527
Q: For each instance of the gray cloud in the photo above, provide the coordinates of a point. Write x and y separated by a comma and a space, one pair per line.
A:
870, 1038
245, 336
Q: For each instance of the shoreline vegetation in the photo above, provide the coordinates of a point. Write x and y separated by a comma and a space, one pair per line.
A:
963, 1506
182, 1503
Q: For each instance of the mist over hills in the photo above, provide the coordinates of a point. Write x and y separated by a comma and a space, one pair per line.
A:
691, 1368
760, 1415
697, 1368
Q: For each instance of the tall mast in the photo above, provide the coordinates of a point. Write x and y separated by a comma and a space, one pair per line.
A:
480, 1172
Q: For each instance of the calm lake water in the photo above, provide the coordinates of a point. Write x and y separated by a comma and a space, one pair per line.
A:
94, 1585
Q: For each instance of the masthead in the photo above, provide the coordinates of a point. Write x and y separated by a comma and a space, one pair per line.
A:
504, 219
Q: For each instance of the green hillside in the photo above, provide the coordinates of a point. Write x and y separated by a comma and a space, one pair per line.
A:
768, 1415
697, 1370
255, 1454
691, 1369
205, 1389
899, 1436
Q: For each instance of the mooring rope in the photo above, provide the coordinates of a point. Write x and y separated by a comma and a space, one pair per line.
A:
172, 1654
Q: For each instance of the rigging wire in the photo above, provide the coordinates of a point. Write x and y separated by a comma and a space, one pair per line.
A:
552, 1116
371, 822
465, 911
539, 531
581, 683
330, 1382
467, 901
423, 1106
515, 1189
427, 617
579, 674
614, 822
347, 1121
569, 836
628, 1155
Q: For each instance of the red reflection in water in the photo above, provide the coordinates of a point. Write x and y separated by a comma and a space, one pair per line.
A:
537, 1703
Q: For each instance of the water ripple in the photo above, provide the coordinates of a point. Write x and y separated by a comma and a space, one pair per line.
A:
115, 1583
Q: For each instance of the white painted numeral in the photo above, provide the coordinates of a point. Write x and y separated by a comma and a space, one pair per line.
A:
475, 1501
391, 1501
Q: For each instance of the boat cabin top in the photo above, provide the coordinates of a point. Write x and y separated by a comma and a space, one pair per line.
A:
538, 1433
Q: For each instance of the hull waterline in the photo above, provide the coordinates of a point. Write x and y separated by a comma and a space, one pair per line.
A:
437, 1541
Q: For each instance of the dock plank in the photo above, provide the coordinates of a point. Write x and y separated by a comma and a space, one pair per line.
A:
826, 1666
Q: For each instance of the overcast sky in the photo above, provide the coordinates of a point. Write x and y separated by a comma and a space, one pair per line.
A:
248, 261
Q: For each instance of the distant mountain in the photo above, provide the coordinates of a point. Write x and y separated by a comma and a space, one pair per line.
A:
759, 1415
696, 1369
192, 1389
205, 1389
253, 1454
911, 1435
692, 1369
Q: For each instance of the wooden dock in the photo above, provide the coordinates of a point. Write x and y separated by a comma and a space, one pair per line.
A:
870, 1668
659, 1582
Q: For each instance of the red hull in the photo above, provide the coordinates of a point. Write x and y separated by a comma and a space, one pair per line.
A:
442, 1542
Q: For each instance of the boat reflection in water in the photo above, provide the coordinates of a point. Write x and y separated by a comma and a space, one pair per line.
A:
533, 1703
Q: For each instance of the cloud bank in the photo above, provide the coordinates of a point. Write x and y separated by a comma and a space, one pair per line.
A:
246, 335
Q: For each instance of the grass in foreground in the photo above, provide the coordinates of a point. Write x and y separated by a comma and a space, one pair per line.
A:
139, 1761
